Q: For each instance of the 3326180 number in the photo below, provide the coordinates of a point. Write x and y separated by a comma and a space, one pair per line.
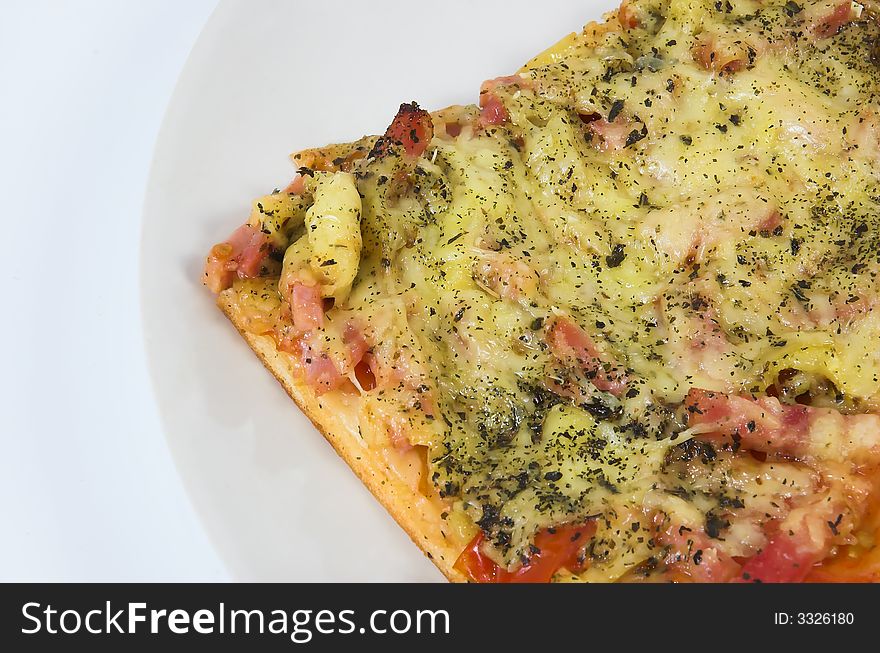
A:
824, 618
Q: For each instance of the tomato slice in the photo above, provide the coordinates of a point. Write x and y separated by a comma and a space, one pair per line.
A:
781, 561
412, 127
477, 567
557, 548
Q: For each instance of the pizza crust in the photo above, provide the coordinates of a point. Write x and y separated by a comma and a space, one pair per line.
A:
418, 515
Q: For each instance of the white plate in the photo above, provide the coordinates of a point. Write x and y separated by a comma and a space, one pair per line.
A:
263, 80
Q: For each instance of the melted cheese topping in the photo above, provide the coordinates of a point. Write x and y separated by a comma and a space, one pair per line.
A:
697, 192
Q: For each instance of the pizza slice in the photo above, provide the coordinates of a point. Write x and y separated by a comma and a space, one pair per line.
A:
616, 321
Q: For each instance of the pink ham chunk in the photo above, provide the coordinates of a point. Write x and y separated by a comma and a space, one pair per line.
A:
573, 347
242, 256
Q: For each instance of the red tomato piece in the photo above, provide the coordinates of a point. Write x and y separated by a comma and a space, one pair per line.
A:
784, 559
557, 548
412, 128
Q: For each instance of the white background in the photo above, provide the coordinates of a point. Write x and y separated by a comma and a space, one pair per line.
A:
88, 490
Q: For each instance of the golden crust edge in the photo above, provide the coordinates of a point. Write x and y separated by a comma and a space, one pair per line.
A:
393, 494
